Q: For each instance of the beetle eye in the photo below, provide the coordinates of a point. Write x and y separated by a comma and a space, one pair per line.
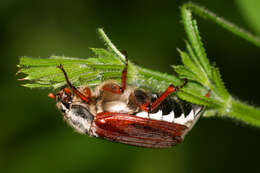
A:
64, 98
66, 104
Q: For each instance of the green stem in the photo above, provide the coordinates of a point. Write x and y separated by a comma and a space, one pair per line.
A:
244, 112
110, 45
206, 14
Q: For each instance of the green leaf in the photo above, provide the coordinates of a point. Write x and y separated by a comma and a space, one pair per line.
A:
43, 72
185, 72
221, 89
195, 40
194, 68
190, 97
201, 53
193, 56
199, 69
187, 61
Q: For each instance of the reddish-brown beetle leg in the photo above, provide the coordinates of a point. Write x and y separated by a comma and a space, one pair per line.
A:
67, 91
74, 89
124, 73
52, 96
168, 91
145, 107
87, 92
157, 102
114, 88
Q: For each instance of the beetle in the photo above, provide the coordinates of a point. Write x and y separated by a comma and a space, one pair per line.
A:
127, 114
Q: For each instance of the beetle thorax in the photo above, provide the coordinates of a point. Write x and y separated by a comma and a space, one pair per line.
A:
110, 102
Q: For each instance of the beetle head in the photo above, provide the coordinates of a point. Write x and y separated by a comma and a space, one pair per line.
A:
63, 100
75, 112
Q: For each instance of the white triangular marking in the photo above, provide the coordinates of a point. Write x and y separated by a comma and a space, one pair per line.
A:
142, 114
156, 116
190, 117
180, 120
169, 117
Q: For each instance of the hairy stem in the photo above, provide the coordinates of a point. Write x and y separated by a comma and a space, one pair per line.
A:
206, 14
243, 112
109, 44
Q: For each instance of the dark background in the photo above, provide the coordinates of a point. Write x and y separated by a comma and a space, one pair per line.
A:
33, 136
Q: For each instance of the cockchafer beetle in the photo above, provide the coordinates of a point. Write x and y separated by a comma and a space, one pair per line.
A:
127, 114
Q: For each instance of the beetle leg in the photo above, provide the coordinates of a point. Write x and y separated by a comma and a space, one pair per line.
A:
145, 107
52, 96
114, 88
149, 107
74, 89
168, 91
67, 91
157, 102
124, 74
87, 92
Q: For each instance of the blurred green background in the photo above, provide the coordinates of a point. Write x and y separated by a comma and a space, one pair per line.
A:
33, 136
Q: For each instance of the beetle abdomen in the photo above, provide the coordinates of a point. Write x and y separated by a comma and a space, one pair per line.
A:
173, 110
